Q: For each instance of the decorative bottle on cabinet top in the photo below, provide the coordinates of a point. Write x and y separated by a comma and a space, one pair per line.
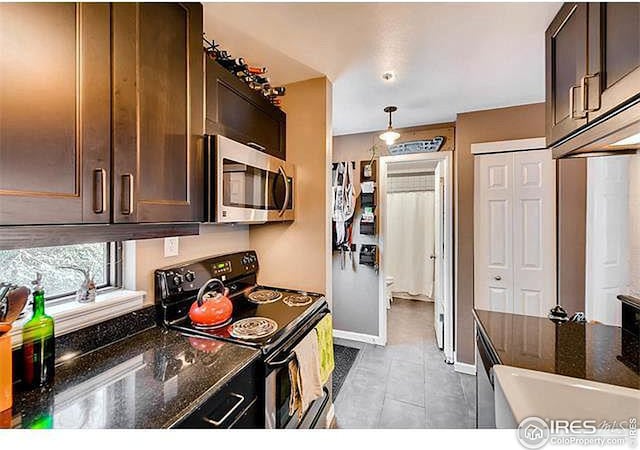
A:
38, 343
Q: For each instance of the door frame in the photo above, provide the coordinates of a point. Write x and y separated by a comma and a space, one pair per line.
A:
445, 158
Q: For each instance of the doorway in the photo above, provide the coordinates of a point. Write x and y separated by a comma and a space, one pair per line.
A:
416, 227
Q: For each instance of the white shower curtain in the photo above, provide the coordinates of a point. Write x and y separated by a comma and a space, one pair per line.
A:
410, 242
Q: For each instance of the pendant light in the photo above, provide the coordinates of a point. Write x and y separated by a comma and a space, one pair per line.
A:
390, 136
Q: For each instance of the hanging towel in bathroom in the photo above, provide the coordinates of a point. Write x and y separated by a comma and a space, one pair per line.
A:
343, 203
324, 329
304, 375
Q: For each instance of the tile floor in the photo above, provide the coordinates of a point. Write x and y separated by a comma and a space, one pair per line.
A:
405, 384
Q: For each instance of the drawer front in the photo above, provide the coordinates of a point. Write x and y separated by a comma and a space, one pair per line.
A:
228, 407
252, 418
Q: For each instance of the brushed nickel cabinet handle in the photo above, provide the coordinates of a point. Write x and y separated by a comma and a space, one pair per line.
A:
219, 422
99, 190
572, 110
585, 92
127, 194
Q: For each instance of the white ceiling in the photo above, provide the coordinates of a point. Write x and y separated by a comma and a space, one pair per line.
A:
447, 57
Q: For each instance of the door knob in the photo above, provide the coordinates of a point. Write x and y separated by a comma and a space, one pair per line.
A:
497, 278
432, 257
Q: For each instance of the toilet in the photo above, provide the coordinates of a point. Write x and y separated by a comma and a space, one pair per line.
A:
388, 291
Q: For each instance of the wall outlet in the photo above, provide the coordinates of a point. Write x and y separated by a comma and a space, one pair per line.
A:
171, 246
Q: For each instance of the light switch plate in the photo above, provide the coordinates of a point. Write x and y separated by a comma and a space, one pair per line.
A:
171, 246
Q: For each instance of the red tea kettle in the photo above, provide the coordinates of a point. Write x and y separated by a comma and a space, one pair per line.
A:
211, 308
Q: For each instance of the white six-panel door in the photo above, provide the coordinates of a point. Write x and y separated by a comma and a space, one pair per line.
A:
493, 232
514, 232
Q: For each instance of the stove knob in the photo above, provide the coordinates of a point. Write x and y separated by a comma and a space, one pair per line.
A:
190, 276
177, 279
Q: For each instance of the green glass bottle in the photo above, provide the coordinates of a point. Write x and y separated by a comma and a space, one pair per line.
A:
38, 343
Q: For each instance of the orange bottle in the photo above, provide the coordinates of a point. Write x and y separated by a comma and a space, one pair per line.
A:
6, 378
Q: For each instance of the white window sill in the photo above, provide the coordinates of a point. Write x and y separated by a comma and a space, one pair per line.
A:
71, 316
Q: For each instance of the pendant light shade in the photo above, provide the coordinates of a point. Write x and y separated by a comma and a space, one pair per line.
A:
390, 136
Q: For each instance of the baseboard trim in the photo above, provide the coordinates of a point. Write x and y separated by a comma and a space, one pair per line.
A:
358, 337
461, 367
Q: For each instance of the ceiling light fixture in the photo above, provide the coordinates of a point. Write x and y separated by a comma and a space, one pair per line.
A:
390, 136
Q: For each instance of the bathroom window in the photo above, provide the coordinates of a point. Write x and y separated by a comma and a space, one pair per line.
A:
102, 259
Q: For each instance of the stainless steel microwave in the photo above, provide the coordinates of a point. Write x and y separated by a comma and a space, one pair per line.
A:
244, 185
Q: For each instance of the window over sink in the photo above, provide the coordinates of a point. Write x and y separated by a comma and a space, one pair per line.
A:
103, 260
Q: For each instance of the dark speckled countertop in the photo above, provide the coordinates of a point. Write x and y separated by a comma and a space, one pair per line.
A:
589, 351
152, 379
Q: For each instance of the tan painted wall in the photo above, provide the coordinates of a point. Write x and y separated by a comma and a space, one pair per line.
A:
572, 233
517, 122
213, 240
294, 255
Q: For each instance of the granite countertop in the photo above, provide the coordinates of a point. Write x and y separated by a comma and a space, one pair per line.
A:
152, 379
589, 351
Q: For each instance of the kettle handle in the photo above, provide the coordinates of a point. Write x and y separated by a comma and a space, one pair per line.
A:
205, 288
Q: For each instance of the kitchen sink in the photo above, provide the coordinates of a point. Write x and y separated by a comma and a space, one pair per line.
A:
522, 393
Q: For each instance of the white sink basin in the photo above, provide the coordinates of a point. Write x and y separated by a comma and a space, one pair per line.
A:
522, 393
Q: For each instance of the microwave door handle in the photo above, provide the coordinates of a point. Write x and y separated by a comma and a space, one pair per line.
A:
287, 192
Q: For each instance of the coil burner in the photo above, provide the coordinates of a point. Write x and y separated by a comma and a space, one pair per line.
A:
253, 328
261, 296
298, 300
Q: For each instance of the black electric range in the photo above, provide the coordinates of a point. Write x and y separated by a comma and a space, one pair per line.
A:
177, 289
283, 316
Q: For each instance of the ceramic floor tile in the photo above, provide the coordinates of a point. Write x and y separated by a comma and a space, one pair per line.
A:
399, 415
406, 384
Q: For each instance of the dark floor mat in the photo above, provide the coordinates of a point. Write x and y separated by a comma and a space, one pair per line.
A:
344, 358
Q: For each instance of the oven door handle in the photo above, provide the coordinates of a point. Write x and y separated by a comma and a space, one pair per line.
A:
282, 362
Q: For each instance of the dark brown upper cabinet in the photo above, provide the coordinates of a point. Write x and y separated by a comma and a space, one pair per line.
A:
614, 56
566, 65
592, 64
157, 112
54, 113
236, 111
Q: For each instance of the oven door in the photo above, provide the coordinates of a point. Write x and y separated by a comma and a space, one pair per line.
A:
243, 192
278, 390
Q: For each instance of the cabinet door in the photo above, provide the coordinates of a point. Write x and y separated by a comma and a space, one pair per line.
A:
157, 112
54, 113
235, 111
566, 64
614, 56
